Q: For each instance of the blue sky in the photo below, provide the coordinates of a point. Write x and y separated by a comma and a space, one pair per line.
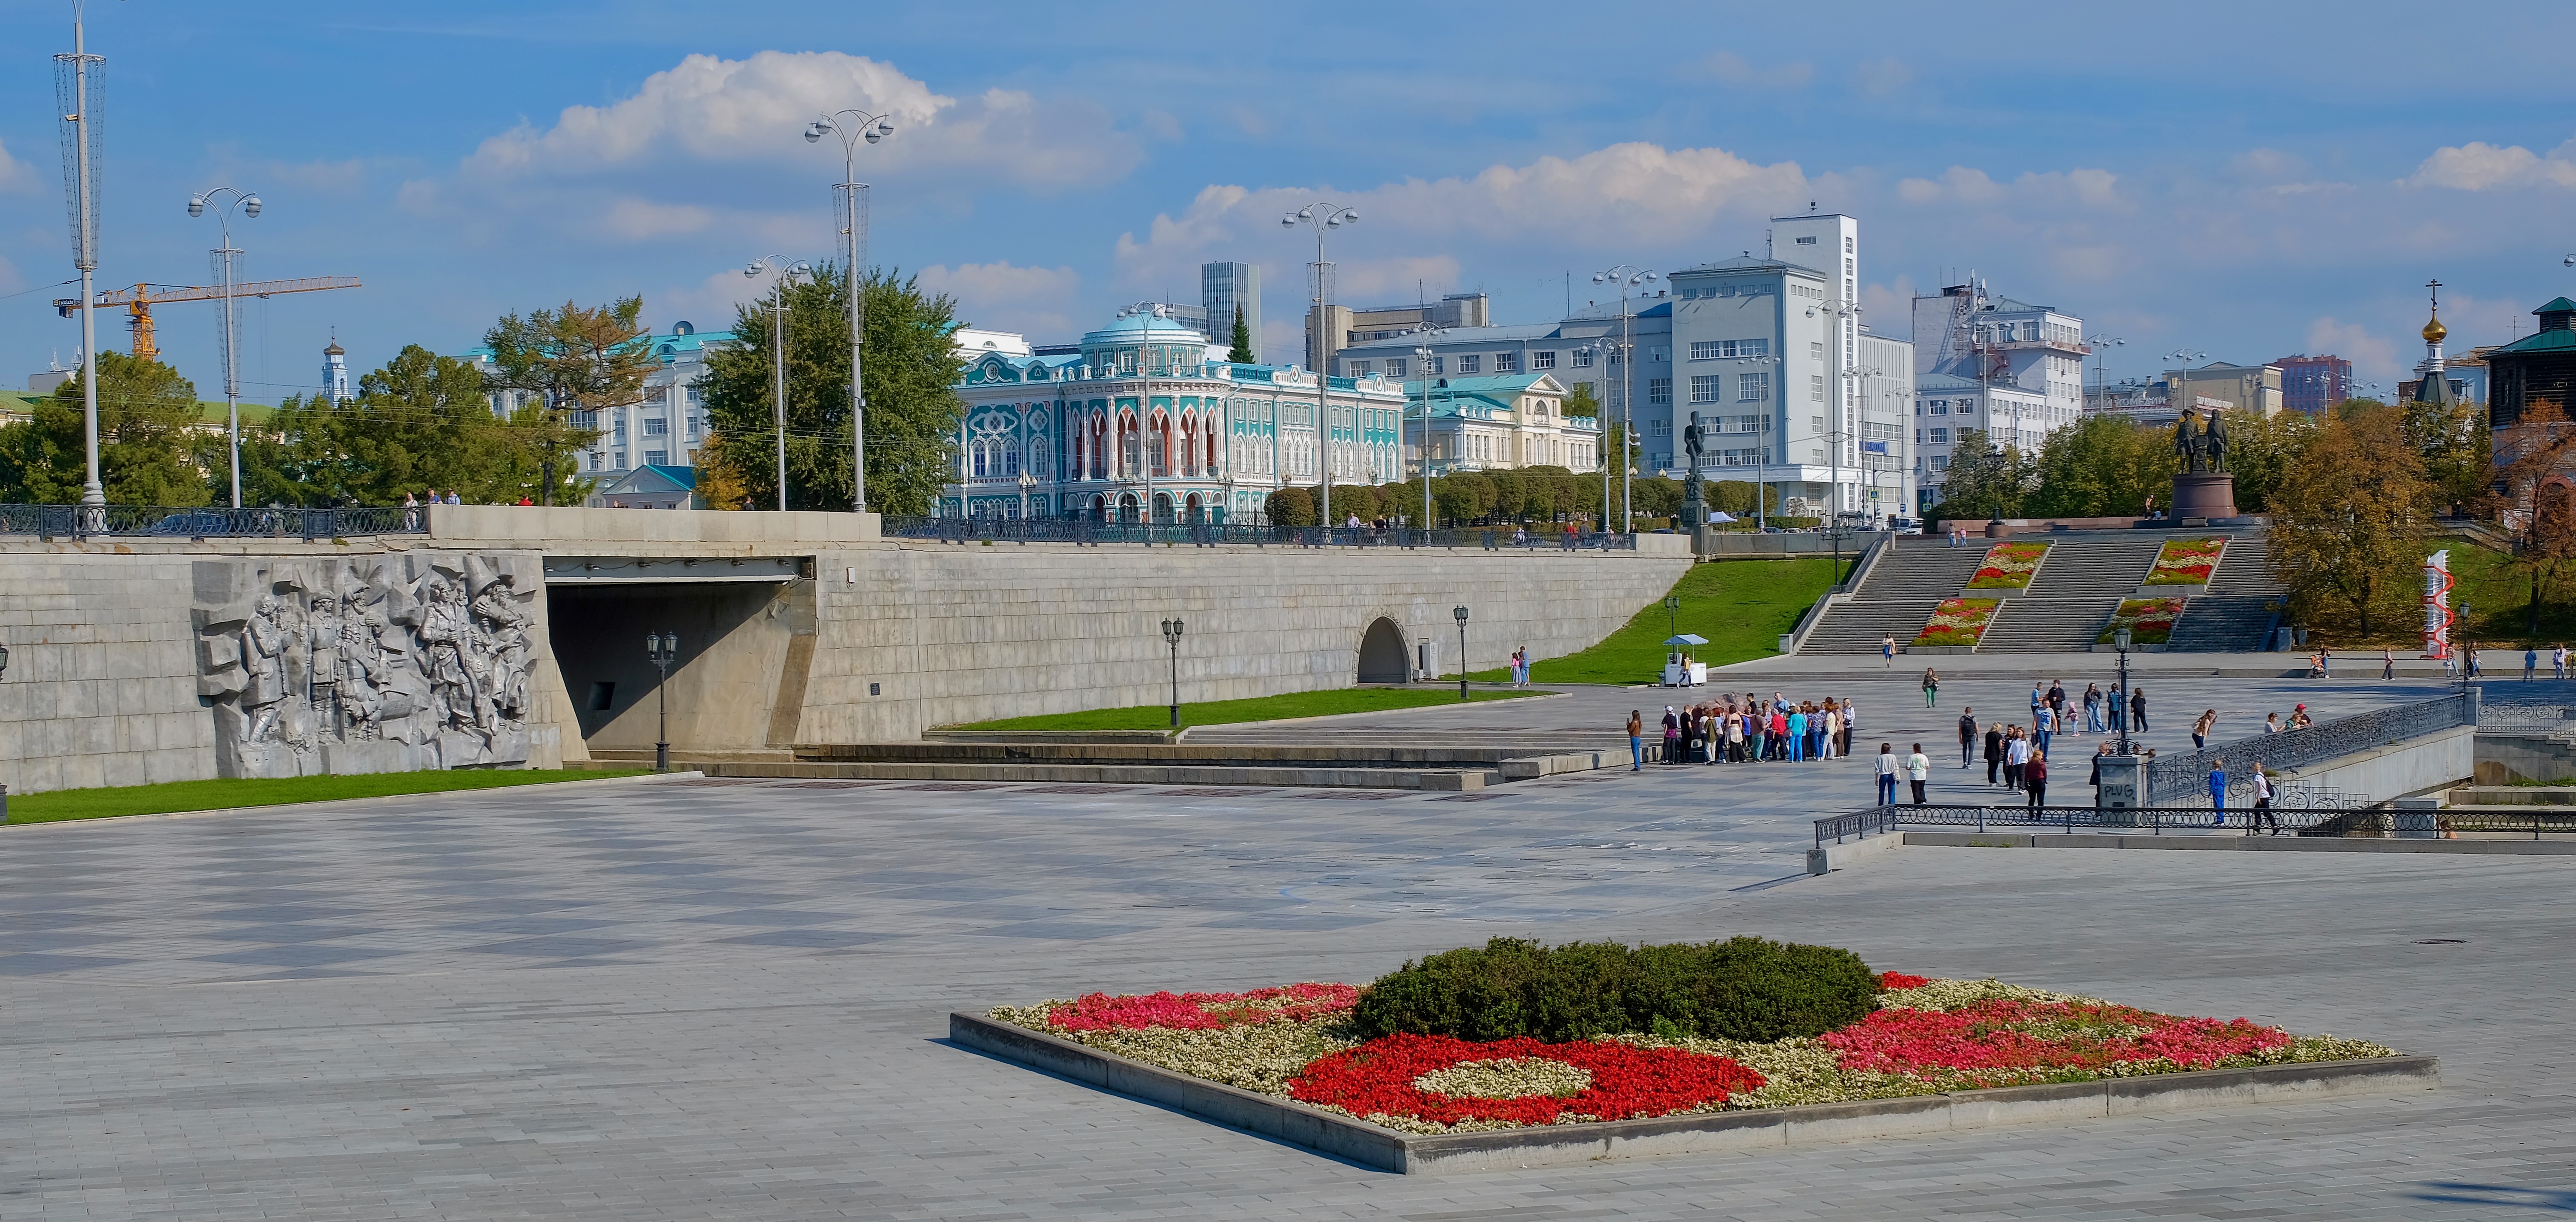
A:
2245, 180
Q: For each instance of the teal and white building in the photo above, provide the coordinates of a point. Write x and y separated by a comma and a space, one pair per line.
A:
665, 425
1139, 419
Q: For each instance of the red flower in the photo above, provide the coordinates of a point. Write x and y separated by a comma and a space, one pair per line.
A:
1377, 1078
2040, 1035
1899, 980
1200, 1011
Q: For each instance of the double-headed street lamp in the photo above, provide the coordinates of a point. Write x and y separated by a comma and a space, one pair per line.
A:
2120, 639
1626, 276
1461, 613
2102, 346
1322, 216
854, 128
1172, 637
1145, 312
788, 272
249, 205
1423, 354
662, 649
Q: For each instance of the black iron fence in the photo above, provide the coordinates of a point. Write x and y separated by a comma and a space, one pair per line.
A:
2526, 718
2292, 819
1213, 534
2177, 778
205, 522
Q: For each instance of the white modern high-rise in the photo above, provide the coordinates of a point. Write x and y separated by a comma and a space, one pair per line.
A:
1224, 288
2010, 369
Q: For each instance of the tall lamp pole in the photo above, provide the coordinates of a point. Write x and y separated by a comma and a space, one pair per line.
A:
854, 127
75, 96
662, 649
1172, 637
1835, 311
2102, 346
1627, 276
1322, 216
1425, 336
1145, 312
2121, 640
1461, 613
224, 257
788, 272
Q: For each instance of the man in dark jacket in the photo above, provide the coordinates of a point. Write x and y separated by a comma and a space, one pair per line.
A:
2138, 707
1967, 735
1994, 754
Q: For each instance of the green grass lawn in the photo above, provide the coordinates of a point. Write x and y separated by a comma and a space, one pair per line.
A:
1741, 606
1225, 712
65, 804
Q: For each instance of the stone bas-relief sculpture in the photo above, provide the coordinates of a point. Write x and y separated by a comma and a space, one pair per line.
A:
376, 664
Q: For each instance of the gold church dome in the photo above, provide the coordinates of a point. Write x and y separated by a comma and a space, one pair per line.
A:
2434, 331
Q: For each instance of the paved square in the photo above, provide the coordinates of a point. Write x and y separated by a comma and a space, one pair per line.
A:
676, 1000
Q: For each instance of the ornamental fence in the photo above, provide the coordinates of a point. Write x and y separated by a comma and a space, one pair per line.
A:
2175, 779
2527, 718
1214, 534
2312, 814
207, 522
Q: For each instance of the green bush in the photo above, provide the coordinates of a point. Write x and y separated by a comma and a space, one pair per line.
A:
1744, 988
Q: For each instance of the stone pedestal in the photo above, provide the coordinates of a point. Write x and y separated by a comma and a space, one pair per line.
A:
2204, 496
2124, 787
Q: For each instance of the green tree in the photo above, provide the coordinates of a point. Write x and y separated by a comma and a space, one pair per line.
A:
1983, 479
574, 359
913, 409
1580, 403
2454, 442
2263, 450
422, 421
2101, 466
1241, 352
153, 446
2343, 520
1290, 507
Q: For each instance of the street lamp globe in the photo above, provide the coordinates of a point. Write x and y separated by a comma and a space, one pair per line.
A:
250, 206
2121, 638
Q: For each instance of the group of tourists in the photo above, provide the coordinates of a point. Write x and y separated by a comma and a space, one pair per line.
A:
1747, 729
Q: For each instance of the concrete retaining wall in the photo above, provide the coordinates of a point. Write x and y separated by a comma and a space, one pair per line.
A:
2418, 765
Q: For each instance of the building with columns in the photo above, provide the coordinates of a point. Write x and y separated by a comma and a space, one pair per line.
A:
1146, 417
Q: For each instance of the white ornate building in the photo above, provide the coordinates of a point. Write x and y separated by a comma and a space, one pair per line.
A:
1141, 416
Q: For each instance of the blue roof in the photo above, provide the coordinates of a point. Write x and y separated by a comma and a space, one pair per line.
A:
1143, 326
686, 477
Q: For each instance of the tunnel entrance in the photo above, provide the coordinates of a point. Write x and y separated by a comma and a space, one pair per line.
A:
739, 681
1382, 651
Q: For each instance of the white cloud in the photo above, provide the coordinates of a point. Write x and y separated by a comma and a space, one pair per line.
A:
1889, 308
2372, 355
1626, 193
1037, 301
16, 176
728, 110
1967, 185
637, 220
2478, 166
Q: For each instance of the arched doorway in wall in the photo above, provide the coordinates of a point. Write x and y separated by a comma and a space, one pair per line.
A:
1197, 509
1127, 507
1099, 508
1382, 653
1163, 508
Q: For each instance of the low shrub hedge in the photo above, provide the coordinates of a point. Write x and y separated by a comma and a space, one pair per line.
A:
1744, 988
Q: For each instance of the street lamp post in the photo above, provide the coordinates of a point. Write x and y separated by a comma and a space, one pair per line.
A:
1835, 311
1627, 276
788, 272
854, 127
1321, 216
224, 257
662, 649
2102, 346
1673, 614
76, 94
1762, 468
1145, 312
1422, 354
1172, 637
1027, 482
1461, 613
2120, 639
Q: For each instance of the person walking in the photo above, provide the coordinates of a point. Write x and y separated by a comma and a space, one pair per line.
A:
2016, 757
1887, 765
2138, 707
1918, 771
2034, 780
2038, 697
2388, 663
2558, 661
2217, 792
2325, 662
2530, 661
1887, 649
2476, 671
2118, 706
2200, 729
1967, 736
2262, 803
2092, 708
2057, 704
2045, 729
1636, 741
1994, 752
1931, 688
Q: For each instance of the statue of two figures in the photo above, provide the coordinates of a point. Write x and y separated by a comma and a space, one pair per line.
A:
386, 664
2202, 449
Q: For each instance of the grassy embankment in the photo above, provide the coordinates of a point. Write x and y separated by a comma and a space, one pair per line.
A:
1741, 606
1227, 712
179, 796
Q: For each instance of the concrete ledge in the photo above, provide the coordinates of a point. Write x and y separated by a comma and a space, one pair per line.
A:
1055, 736
1385, 1149
1126, 774
1837, 856
2236, 843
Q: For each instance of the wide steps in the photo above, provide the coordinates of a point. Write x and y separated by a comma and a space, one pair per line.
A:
1921, 570
1862, 627
2094, 568
2246, 569
2047, 625
2222, 623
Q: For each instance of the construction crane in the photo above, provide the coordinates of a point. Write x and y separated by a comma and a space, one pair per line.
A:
139, 300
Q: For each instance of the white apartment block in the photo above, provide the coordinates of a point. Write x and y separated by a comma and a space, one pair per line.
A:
2008, 368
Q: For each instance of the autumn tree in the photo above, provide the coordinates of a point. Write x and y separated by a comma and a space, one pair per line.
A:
2344, 520
2529, 493
577, 359
2262, 450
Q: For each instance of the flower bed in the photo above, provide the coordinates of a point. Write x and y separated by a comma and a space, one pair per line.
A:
1958, 621
2008, 566
2186, 562
1926, 1036
2150, 621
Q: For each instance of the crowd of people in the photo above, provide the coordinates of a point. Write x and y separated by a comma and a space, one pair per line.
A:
1747, 729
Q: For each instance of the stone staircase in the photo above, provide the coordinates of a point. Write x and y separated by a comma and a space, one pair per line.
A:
2077, 588
2235, 615
1896, 598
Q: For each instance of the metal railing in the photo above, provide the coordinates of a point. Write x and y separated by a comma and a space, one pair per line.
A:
210, 522
2529, 718
2178, 777
1212, 534
2292, 813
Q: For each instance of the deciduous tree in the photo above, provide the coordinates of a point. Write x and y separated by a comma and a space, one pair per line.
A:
579, 359
2344, 517
154, 448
